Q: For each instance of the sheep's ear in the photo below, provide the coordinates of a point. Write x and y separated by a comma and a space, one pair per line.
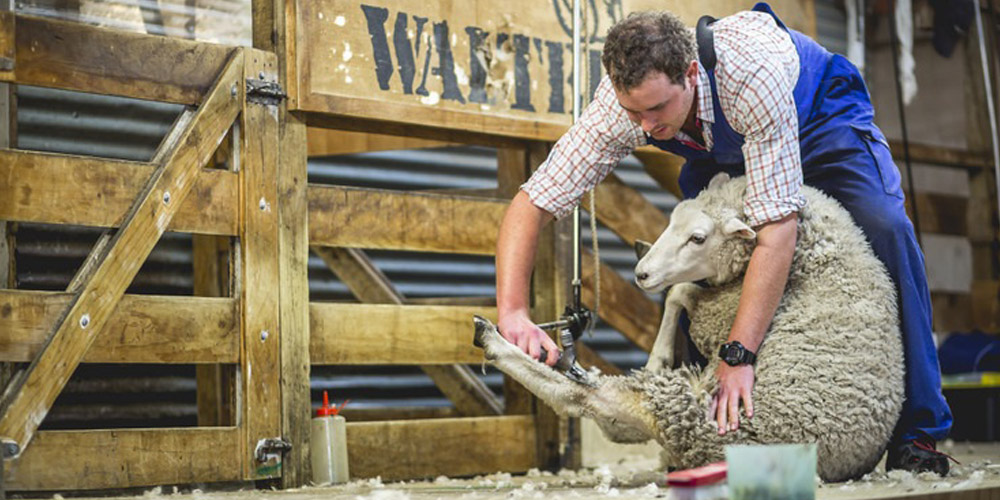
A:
718, 180
736, 227
642, 248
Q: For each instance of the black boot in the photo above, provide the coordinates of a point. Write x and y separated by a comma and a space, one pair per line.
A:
918, 455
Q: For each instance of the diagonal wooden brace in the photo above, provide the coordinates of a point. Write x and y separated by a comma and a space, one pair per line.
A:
458, 383
114, 262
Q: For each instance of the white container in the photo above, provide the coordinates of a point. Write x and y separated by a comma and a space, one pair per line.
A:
703, 483
328, 445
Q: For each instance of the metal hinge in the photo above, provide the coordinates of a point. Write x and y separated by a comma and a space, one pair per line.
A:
265, 92
271, 448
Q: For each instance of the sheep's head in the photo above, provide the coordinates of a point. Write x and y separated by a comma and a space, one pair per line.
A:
704, 241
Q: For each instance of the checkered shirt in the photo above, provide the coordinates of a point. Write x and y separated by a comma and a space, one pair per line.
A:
756, 71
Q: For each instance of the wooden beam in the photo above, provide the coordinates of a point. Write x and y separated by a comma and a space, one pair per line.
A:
590, 358
467, 392
355, 415
558, 438
623, 305
943, 156
428, 448
125, 458
626, 212
259, 274
986, 305
142, 328
663, 167
63, 189
29, 399
323, 142
357, 218
346, 334
75, 56
216, 383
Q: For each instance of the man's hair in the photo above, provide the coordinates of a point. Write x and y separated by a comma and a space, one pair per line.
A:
644, 42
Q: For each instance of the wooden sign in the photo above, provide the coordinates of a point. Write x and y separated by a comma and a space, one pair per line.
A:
500, 68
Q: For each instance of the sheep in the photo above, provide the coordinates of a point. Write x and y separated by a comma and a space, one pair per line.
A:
830, 369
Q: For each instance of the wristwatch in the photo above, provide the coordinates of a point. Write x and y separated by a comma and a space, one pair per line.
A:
734, 354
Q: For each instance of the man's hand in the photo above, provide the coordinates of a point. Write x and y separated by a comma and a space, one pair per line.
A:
735, 383
520, 331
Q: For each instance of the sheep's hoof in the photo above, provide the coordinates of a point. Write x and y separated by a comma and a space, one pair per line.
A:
482, 326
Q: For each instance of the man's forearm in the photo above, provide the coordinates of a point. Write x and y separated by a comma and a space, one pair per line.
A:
764, 282
517, 243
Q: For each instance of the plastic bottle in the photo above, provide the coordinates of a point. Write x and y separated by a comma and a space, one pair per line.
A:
329, 445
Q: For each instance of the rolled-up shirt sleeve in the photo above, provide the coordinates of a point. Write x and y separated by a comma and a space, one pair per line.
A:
757, 98
585, 154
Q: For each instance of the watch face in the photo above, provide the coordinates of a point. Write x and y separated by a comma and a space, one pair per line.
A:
731, 355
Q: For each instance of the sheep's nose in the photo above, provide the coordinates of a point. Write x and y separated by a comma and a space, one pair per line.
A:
642, 276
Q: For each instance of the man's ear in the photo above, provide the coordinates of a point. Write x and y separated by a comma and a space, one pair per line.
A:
736, 227
692, 73
642, 248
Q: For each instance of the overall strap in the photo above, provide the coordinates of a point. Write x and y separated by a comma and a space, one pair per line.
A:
706, 43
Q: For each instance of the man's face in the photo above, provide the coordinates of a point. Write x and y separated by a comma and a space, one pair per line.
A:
659, 105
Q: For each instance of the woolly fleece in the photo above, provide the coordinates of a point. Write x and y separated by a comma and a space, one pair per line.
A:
830, 370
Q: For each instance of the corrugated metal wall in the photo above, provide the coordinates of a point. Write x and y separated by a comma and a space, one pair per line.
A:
130, 395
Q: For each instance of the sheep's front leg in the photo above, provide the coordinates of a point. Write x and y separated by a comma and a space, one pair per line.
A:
562, 394
680, 297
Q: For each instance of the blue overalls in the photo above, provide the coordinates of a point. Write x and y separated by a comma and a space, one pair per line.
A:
846, 156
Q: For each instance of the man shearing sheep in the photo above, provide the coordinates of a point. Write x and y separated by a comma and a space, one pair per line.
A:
747, 96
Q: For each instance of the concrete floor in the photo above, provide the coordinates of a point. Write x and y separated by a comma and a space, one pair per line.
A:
637, 475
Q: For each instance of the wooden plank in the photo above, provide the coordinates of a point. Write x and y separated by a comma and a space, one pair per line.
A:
484, 67
626, 211
293, 269
428, 448
940, 214
125, 458
468, 393
26, 403
623, 305
952, 312
75, 56
357, 218
261, 375
142, 328
324, 142
63, 189
391, 334
398, 413
939, 155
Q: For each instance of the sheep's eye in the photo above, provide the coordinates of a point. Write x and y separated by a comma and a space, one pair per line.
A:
697, 239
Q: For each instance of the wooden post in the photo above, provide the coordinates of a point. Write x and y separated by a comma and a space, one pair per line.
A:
8, 243
512, 171
293, 257
558, 439
273, 30
982, 219
260, 377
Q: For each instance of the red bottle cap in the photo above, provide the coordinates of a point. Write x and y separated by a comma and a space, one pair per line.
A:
700, 476
325, 410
